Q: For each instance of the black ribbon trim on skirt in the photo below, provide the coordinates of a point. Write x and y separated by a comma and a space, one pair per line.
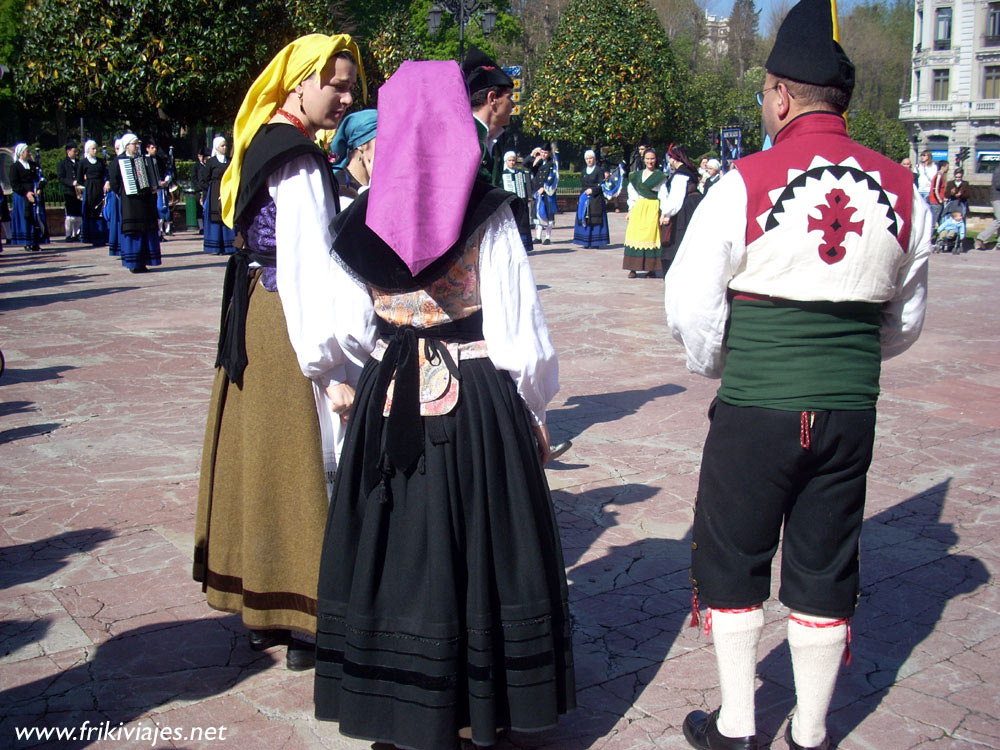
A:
232, 352
402, 441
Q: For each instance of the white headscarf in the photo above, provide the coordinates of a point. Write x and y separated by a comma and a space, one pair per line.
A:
590, 152
86, 151
19, 149
118, 147
128, 138
507, 156
216, 142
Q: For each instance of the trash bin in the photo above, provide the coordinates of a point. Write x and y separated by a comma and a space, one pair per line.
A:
191, 208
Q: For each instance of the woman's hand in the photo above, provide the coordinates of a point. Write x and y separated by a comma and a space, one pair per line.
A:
664, 220
588, 191
30, 196
542, 439
341, 397
107, 187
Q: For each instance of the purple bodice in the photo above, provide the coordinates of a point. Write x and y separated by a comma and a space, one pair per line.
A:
260, 235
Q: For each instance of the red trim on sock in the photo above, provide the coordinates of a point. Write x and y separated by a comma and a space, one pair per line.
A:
831, 624
730, 610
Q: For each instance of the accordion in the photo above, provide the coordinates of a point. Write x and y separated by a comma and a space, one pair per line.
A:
516, 182
139, 174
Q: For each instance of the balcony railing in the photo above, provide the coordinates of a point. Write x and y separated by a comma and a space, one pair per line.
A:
949, 110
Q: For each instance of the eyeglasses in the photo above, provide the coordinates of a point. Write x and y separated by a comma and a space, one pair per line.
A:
760, 94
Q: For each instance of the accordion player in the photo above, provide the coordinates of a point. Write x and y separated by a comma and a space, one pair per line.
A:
139, 174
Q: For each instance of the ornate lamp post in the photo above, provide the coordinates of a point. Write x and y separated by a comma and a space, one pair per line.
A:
462, 10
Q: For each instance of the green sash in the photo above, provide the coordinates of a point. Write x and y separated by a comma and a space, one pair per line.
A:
647, 188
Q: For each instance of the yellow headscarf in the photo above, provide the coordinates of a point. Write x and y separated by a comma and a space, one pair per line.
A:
296, 62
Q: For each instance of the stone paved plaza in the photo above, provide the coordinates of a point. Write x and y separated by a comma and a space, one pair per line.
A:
103, 406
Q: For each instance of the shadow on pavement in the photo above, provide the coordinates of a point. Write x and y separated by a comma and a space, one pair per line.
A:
33, 561
24, 285
581, 412
628, 608
39, 375
909, 576
131, 674
20, 303
16, 634
33, 430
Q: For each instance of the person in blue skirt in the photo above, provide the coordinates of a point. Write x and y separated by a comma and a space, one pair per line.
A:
591, 227
92, 174
140, 235
218, 237
27, 221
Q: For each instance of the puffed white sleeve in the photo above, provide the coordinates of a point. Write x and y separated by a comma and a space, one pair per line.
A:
697, 285
322, 303
514, 327
633, 196
672, 198
903, 316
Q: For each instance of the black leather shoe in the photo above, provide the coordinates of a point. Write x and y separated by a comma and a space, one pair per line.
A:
300, 656
559, 448
261, 640
700, 731
793, 745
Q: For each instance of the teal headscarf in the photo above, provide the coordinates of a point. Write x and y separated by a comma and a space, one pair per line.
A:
355, 130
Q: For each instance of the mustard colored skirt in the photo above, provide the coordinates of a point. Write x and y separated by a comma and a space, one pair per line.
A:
642, 237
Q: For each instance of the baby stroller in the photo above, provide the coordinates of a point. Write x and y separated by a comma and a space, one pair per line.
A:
948, 241
951, 230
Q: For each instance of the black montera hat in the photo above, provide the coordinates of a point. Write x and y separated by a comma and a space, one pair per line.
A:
481, 71
804, 49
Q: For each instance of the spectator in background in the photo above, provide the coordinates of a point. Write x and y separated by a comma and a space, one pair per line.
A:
991, 231
925, 173
957, 193
714, 169
936, 196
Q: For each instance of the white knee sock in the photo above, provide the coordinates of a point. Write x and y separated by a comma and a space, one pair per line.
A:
817, 646
736, 635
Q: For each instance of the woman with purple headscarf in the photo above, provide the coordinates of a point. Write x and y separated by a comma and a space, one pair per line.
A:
442, 593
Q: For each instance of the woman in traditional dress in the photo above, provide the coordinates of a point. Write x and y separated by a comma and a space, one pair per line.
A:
140, 231
112, 212
442, 593
683, 198
647, 195
282, 381
92, 174
27, 220
591, 228
353, 150
218, 238
546, 208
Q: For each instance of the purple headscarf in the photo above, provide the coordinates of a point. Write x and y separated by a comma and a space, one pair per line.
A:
424, 119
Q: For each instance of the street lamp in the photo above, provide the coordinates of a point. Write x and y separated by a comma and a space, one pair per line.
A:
462, 10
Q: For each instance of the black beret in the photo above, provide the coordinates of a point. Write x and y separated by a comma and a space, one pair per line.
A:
804, 49
481, 71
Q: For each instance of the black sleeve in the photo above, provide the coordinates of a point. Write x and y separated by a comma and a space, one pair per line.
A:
66, 174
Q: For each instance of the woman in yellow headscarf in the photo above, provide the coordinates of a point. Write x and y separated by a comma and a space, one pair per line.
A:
273, 435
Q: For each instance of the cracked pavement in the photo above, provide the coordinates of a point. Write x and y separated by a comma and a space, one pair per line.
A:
103, 408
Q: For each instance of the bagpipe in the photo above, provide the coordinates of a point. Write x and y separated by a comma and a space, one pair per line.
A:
552, 179
612, 186
38, 206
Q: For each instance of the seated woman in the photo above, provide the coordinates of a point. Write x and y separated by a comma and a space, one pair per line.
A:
442, 592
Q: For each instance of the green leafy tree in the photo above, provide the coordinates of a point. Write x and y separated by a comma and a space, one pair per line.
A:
743, 44
879, 132
152, 63
717, 101
878, 37
609, 77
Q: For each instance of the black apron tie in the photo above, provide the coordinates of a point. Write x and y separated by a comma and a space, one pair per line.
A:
232, 351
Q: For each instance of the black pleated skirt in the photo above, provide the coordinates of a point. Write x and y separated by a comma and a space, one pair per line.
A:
442, 602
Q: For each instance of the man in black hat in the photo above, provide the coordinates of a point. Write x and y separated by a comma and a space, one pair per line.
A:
801, 270
490, 95
66, 174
